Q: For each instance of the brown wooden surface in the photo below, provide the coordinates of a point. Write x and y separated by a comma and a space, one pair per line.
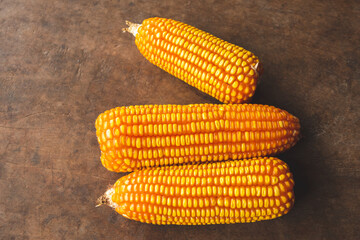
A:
64, 62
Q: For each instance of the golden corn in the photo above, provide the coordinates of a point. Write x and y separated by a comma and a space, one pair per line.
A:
221, 69
135, 137
210, 193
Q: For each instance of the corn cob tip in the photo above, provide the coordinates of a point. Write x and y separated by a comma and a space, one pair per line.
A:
132, 28
106, 199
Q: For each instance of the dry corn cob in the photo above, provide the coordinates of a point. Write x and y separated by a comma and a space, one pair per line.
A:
210, 193
221, 69
135, 137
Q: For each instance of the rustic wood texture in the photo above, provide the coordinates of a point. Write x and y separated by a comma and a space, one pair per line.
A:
64, 62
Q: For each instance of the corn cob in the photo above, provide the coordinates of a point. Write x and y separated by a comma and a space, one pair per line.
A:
210, 193
135, 137
221, 69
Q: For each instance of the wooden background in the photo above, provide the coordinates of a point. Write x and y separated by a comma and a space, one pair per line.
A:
64, 62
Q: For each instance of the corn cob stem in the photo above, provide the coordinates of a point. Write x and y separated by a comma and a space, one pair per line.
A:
135, 137
210, 193
221, 69
132, 28
106, 199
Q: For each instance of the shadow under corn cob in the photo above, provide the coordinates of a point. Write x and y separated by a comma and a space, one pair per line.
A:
209, 193
221, 69
135, 137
